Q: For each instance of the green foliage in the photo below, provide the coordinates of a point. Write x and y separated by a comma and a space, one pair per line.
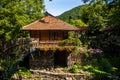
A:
97, 15
114, 10
94, 62
74, 69
102, 64
73, 39
94, 16
6, 63
98, 73
17, 52
71, 14
78, 22
15, 14
114, 61
65, 69
10, 60
114, 69
85, 51
75, 50
106, 66
24, 72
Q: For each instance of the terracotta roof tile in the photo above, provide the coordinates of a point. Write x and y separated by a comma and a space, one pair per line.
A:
49, 22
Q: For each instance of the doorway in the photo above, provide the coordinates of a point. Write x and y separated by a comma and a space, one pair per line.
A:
60, 59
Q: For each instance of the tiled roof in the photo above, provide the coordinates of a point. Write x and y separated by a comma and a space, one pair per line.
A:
49, 22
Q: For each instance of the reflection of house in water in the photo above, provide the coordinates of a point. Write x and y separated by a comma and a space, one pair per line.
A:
50, 31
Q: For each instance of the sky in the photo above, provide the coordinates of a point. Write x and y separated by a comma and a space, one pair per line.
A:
57, 7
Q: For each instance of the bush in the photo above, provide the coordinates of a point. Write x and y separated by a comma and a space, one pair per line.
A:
99, 75
115, 60
101, 64
24, 72
65, 69
74, 69
94, 62
105, 65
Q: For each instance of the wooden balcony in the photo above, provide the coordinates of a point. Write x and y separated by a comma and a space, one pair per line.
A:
49, 43
37, 44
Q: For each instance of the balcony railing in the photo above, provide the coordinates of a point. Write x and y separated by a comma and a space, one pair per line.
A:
49, 43
36, 43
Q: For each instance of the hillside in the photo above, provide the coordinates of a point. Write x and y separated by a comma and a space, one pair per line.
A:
74, 14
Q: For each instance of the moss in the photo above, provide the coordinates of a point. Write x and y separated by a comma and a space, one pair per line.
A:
54, 48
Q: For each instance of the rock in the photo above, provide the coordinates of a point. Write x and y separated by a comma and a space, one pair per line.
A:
68, 78
58, 75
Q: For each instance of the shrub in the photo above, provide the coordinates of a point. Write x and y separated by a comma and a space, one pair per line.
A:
65, 69
75, 50
99, 75
94, 62
24, 72
101, 64
74, 69
105, 65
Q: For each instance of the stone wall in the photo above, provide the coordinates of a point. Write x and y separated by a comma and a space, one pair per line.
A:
78, 58
46, 59
42, 60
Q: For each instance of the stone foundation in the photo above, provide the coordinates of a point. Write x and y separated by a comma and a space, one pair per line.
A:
49, 59
41, 60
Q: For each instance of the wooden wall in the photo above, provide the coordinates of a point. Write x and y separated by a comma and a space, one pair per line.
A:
48, 35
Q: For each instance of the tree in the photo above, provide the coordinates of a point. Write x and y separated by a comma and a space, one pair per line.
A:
114, 9
16, 13
74, 14
78, 22
13, 15
94, 16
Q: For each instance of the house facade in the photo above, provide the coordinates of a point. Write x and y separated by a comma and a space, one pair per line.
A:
50, 31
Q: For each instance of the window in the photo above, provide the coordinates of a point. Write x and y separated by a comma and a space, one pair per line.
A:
54, 36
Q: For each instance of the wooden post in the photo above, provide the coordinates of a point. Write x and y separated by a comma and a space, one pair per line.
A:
40, 36
49, 34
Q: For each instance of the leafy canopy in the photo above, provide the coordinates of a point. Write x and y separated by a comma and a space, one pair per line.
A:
16, 13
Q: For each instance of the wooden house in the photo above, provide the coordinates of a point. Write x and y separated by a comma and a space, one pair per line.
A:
49, 31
